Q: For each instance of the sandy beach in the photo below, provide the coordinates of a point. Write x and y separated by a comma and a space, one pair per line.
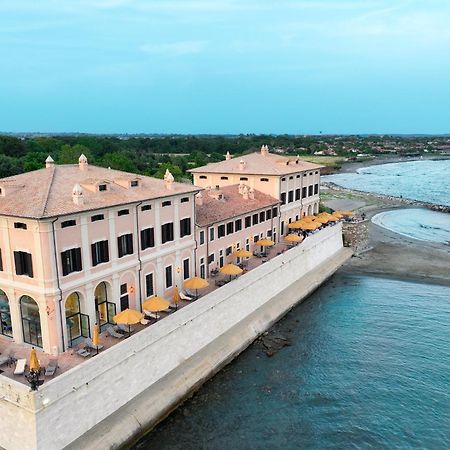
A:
390, 254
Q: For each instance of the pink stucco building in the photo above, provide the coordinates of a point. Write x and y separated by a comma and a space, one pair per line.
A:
296, 183
79, 243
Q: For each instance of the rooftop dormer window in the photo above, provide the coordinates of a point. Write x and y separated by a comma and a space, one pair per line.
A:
134, 183
102, 187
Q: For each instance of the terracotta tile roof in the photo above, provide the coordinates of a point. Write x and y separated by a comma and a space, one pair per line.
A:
258, 164
233, 204
48, 192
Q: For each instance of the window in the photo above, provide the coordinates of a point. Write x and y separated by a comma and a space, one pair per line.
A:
290, 196
202, 237
283, 198
71, 261
149, 286
211, 234
123, 212
169, 277
269, 233
100, 252
298, 176
224, 178
247, 244
275, 212
255, 219
221, 259
316, 189
262, 216
202, 268
297, 194
167, 232
20, 225
185, 227
265, 180
211, 258
248, 222
1, 261
268, 214
238, 225
166, 203
316, 172
310, 190
147, 238
283, 179
97, 217
102, 187
255, 238
243, 179
203, 177
291, 178
186, 271
230, 227
24, 263
124, 300
228, 250
185, 200
146, 208
305, 174
304, 192
68, 223
125, 245
220, 231
134, 183
310, 173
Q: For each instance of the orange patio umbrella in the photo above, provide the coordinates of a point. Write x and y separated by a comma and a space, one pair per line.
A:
176, 297
128, 317
96, 337
34, 362
293, 238
196, 283
156, 304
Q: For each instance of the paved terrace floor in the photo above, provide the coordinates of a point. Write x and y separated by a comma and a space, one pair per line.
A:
70, 358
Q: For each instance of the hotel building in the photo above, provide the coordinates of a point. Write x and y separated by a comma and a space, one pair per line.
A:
296, 183
80, 243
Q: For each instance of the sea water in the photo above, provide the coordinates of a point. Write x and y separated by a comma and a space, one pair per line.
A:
369, 367
417, 223
424, 180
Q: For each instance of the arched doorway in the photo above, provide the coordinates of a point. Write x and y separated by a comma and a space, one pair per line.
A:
76, 322
105, 310
31, 321
5, 315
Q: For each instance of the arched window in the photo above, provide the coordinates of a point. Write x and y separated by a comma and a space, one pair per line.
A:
105, 309
77, 323
5, 316
31, 321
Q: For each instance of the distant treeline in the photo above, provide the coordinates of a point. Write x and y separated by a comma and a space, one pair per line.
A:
145, 155
153, 155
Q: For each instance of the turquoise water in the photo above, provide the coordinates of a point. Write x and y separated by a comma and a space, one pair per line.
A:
418, 223
419, 180
369, 367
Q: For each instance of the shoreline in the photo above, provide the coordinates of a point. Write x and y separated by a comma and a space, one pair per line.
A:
390, 254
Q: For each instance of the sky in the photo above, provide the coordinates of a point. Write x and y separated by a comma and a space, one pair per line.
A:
225, 66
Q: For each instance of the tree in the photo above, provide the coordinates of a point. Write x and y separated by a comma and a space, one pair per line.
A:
118, 161
174, 170
70, 154
9, 166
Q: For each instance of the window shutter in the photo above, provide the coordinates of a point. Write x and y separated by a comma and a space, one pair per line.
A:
129, 238
64, 264
94, 255
105, 251
78, 264
29, 264
18, 263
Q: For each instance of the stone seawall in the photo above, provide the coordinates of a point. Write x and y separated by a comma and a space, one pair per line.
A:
112, 398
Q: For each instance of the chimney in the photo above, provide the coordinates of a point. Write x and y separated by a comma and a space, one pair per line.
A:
228, 156
49, 162
251, 194
245, 193
241, 164
241, 187
264, 150
168, 179
82, 162
199, 199
77, 195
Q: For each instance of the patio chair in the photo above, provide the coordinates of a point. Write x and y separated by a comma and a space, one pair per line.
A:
51, 368
90, 345
185, 297
150, 314
113, 333
144, 322
20, 366
123, 328
82, 351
